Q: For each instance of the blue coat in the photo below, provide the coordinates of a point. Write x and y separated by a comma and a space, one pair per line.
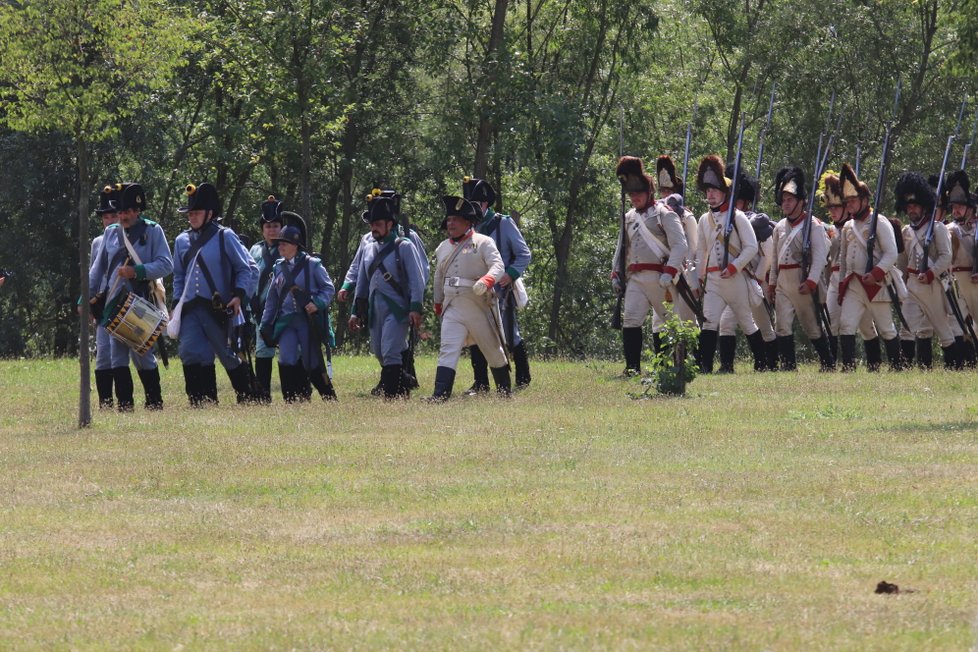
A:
403, 266
231, 267
148, 241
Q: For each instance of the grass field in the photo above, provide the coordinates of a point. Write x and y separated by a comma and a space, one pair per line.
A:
757, 513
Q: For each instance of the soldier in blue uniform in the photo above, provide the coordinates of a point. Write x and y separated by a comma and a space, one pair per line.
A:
295, 318
265, 253
103, 358
214, 275
134, 253
389, 292
516, 257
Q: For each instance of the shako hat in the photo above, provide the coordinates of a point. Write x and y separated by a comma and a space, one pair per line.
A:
912, 188
130, 195
631, 174
850, 185
959, 189
382, 205
292, 235
107, 200
202, 198
271, 211
712, 174
478, 190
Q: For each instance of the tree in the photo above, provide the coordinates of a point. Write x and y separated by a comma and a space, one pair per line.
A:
77, 68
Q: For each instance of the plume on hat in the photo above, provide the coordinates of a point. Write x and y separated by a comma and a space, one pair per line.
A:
712, 174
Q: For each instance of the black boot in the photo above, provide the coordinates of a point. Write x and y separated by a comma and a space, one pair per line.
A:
631, 340
103, 385
522, 365
656, 342
925, 353
409, 376
321, 381
393, 381
243, 381
756, 342
150, 378
821, 346
480, 371
293, 380
727, 348
208, 383
966, 349
834, 346
191, 384
500, 376
874, 356
123, 388
893, 354
263, 377
847, 346
786, 352
708, 347
907, 349
444, 380
952, 356
771, 354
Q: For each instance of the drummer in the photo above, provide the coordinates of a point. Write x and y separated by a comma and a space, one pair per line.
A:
134, 254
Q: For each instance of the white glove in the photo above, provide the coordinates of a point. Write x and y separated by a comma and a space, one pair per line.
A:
665, 280
480, 287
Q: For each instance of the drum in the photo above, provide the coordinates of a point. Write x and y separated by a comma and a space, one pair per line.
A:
137, 323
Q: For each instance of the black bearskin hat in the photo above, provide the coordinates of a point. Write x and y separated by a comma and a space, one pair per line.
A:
958, 189
912, 188
830, 190
665, 175
746, 187
789, 180
712, 174
631, 174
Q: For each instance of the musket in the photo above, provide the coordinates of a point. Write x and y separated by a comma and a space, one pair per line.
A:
689, 134
859, 158
880, 182
728, 226
971, 141
616, 320
760, 148
950, 291
929, 235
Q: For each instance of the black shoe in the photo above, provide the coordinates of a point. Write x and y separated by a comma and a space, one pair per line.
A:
409, 376
925, 353
771, 354
294, 383
480, 368
243, 381
208, 383
391, 377
786, 352
847, 345
908, 350
631, 340
103, 385
708, 347
756, 342
893, 354
825, 358
874, 355
263, 378
477, 389
321, 381
522, 366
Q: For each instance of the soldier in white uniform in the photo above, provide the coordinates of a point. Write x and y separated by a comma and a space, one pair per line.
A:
654, 250
468, 266
925, 307
792, 293
964, 247
830, 194
763, 228
863, 284
672, 190
723, 260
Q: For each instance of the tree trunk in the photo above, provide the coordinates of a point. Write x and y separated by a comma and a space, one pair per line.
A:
488, 84
84, 356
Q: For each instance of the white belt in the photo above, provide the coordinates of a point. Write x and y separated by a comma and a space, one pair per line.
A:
458, 282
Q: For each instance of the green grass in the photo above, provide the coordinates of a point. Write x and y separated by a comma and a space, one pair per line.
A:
759, 512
